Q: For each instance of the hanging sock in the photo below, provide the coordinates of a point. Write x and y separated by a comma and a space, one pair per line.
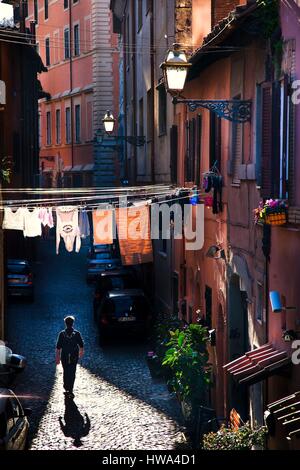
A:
84, 224
46, 217
67, 228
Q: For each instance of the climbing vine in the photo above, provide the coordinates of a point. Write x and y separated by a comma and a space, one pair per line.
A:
269, 16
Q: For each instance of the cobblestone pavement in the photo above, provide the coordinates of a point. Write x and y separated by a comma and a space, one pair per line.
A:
117, 405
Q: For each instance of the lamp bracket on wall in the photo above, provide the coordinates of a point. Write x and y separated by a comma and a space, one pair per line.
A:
238, 111
136, 141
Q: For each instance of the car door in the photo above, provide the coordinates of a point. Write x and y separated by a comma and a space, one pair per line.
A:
10, 426
21, 425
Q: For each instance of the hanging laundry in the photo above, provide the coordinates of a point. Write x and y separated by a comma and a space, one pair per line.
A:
13, 219
67, 228
134, 235
32, 223
103, 227
84, 224
45, 214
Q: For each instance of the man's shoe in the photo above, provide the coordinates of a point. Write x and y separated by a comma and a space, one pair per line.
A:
71, 395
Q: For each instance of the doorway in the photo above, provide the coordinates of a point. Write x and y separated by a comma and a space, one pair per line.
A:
238, 343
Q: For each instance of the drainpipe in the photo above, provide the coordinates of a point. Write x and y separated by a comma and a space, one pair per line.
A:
152, 65
71, 81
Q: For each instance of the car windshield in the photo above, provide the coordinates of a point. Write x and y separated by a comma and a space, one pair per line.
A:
17, 269
129, 305
105, 255
117, 282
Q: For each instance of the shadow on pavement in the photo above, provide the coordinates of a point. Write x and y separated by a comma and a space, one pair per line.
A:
75, 425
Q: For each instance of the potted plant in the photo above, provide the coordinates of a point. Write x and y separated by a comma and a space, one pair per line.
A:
272, 212
228, 438
186, 360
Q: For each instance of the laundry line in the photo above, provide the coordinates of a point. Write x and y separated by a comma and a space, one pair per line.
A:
109, 189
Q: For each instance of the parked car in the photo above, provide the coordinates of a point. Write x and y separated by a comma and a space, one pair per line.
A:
96, 249
116, 279
14, 424
10, 365
97, 266
126, 310
20, 279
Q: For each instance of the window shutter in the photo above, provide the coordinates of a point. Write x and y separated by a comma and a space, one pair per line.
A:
237, 151
174, 152
187, 144
266, 141
198, 149
275, 138
193, 149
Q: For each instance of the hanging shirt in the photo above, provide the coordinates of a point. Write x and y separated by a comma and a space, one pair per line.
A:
46, 217
13, 220
84, 224
32, 223
67, 228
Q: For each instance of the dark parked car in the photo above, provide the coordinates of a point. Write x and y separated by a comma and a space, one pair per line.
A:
113, 280
13, 422
125, 310
97, 266
19, 279
10, 365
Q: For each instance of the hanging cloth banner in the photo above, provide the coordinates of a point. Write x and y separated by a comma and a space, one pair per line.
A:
103, 226
134, 234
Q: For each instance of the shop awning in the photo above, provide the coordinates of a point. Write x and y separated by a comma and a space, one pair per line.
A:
257, 364
88, 167
77, 168
285, 414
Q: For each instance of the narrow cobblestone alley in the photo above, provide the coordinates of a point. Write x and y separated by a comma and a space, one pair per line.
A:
117, 405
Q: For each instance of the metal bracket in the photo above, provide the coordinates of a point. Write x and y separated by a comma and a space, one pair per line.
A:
137, 141
233, 110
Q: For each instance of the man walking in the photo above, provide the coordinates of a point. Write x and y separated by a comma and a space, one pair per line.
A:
69, 348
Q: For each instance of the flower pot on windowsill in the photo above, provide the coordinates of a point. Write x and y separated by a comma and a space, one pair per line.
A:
276, 218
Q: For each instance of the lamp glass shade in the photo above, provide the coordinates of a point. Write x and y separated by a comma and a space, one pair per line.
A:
109, 122
175, 70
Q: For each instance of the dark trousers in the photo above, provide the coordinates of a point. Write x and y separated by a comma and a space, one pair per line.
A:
69, 376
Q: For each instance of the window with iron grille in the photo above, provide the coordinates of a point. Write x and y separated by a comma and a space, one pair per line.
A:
77, 123
47, 47
67, 43
68, 125
58, 126
49, 136
46, 9
36, 11
76, 40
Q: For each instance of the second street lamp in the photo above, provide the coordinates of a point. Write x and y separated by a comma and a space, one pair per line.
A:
175, 69
109, 125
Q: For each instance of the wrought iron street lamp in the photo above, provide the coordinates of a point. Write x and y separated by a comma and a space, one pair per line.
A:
109, 122
109, 125
175, 69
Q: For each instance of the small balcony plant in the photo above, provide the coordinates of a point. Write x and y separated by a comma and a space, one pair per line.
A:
272, 212
243, 438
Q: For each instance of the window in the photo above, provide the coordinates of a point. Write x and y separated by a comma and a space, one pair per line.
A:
46, 8
36, 11
236, 151
76, 40
58, 126
162, 110
67, 43
25, 6
140, 13
208, 307
190, 150
87, 32
47, 46
259, 302
77, 123
215, 141
48, 118
66, 4
40, 130
198, 149
149, 115
68, 125
9, 412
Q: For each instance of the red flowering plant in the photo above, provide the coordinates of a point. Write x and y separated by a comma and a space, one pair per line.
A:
272, 211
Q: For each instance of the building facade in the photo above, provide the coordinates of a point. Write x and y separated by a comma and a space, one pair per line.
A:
235, 55
76, 44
